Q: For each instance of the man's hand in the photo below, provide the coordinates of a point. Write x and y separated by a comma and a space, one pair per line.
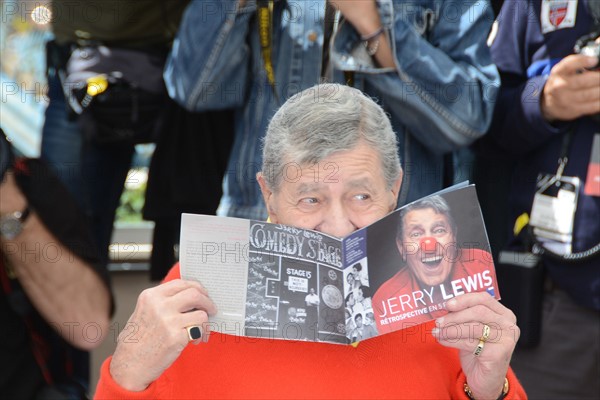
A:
462, 327
571, 91
156, 334
364, 16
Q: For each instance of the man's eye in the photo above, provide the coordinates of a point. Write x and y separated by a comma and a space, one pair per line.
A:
362, 197
439, 231
309, 200
415, 234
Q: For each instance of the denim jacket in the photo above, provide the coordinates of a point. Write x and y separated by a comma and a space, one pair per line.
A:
440, 97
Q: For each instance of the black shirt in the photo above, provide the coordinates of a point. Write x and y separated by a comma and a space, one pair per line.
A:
20, 373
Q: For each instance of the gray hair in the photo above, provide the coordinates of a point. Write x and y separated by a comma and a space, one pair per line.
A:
437, 203
322, 120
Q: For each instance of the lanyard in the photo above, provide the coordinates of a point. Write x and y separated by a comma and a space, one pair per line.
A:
265, 33
564, 151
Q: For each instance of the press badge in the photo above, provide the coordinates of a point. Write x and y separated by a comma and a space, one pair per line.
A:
553, 211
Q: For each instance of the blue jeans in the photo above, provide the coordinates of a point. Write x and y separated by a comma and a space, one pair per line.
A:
62, 141
93, 173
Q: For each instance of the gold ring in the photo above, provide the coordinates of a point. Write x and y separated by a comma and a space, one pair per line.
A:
486, 333
194, 332
479, 348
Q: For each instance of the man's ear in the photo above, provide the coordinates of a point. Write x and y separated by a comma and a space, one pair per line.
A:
400, 246
396, 190
268, 197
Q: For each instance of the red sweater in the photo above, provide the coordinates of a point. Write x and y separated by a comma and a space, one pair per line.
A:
407, 364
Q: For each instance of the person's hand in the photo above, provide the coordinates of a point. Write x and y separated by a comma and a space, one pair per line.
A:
156, 333
571, 91
462, 327
362, 14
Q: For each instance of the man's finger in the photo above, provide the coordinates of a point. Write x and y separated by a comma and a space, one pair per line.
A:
175, 286
590, 108
589, 95
471, 331
195, 326
586, 80
475, 299
191, 298
573, 64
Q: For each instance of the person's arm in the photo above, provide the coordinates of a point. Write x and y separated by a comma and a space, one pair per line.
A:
111, 388
157, 337
443, 85
107, 388
532, 109
515, 389
208, 66
485, 373
364, 17
64, 289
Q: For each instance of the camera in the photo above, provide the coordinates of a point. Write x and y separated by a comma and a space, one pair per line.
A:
589, 45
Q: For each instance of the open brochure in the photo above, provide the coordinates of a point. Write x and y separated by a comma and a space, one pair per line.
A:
276, 281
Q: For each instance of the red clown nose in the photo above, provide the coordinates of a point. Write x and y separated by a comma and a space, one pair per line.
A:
428, 244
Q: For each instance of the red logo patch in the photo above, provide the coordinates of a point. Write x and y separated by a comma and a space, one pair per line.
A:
558, 12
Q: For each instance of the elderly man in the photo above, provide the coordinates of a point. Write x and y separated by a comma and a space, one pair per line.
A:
350, 177
426, 240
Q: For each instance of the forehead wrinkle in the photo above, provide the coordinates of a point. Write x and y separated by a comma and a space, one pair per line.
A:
414, 225
361, 183
307, 187
439, 222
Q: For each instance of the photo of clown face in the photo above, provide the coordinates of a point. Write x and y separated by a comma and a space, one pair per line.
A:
428, 244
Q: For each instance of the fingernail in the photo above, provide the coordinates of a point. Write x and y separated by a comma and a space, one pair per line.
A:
435, 331
451, 302
439, 321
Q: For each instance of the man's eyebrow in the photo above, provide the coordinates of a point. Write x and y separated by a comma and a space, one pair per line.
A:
305, 188
438, 223
414, 225
363, 183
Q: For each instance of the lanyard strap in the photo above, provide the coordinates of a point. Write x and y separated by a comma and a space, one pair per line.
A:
564, 150
265, 33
